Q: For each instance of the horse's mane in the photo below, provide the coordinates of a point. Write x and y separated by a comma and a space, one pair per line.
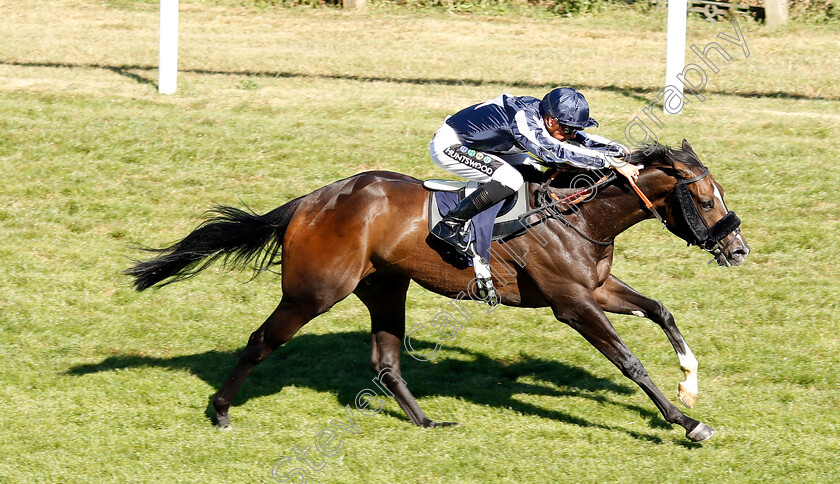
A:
657, 155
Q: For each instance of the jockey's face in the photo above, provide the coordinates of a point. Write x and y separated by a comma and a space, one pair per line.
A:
558, 131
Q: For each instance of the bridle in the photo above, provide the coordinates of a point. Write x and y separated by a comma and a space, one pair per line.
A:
700, 234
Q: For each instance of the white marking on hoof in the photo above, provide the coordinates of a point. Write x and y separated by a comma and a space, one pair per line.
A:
687, 398
688, 388
638, 313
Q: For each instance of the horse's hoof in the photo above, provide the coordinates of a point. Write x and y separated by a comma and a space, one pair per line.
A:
221, 414
686, 397
223, 422
700, 433
428, 423
444, 424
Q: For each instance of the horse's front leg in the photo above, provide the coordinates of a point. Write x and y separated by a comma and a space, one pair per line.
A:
582, 312
617, 297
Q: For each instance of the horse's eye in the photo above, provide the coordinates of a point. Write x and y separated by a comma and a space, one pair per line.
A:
708, 204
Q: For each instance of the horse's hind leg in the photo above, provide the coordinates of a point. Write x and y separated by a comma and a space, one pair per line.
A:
384, 296
283, 323
617, 297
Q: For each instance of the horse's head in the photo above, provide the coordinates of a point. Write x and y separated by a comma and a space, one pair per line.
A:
694, 209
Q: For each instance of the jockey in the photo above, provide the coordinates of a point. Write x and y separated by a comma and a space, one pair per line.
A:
486, 142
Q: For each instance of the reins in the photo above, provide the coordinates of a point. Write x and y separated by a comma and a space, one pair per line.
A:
647, 203
700, 233
569, 201
552, 210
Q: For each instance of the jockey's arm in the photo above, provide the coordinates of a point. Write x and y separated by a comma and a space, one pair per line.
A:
615, 154
592, 152
529, 131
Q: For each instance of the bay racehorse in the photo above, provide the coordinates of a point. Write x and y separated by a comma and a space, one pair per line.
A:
367, 235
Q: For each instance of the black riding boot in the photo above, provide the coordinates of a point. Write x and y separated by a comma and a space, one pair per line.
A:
449, 229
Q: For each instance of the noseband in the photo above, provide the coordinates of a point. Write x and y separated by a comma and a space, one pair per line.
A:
700, 234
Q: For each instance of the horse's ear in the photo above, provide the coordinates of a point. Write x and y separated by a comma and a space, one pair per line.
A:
684, 170
687, 147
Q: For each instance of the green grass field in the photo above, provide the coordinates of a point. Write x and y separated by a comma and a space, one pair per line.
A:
100, 384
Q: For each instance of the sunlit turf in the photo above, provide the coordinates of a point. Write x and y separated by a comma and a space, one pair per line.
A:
104, 385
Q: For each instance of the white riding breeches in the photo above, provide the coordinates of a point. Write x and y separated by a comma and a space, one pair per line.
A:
448, 153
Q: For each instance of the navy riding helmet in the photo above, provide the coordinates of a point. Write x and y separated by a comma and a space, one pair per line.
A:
568, 107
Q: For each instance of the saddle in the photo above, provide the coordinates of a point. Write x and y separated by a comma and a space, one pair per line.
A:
514, 215
501, 220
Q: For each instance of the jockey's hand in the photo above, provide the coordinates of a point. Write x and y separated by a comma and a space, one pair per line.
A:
617, 151
627, 170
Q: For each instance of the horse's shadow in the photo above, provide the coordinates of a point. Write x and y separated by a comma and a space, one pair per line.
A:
338, 363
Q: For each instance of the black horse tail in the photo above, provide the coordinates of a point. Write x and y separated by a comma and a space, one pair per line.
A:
240, 237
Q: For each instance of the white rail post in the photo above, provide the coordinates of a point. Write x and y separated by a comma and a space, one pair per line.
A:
675, 51
775, 12
168, 53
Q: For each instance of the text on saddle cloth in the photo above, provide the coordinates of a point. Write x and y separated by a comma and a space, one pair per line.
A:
494, 223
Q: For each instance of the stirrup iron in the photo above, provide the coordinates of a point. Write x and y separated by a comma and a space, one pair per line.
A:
483, 279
